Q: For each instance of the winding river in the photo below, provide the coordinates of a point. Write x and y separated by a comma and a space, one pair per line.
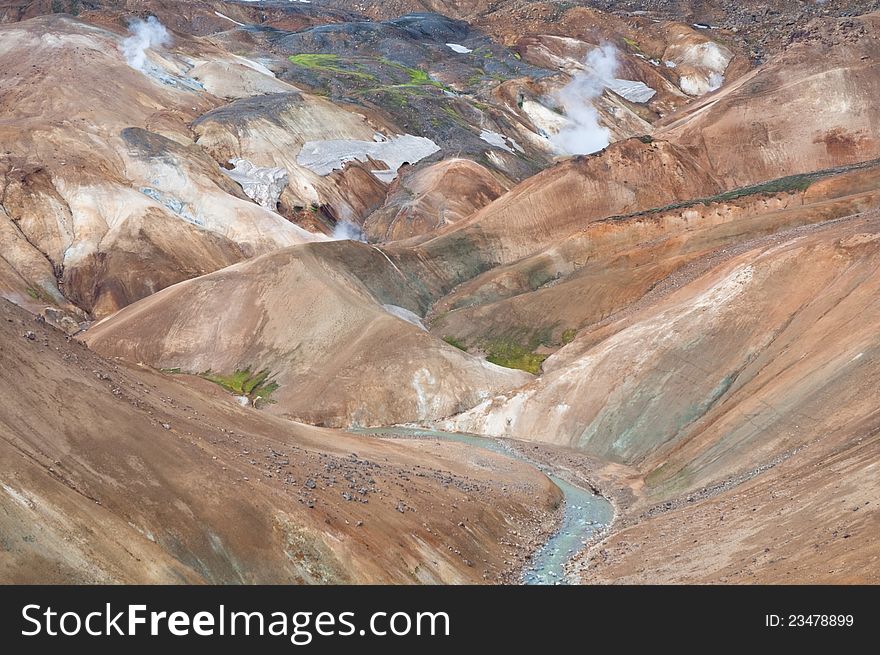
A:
585, 512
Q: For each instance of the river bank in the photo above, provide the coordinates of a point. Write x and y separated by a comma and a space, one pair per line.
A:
584, 517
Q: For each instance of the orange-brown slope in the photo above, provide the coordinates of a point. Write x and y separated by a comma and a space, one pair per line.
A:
612, 263
186, 16
810, 107
770, 348
516, 22
105, 196
810, 519
628, 176
112, 473
744, 397
431, 198
701, 150
344, 353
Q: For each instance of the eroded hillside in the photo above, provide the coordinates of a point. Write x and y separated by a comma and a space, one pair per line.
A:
643, 248
135, 477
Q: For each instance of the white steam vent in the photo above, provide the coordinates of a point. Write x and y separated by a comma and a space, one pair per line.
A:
346, 231
145, 34
583, 134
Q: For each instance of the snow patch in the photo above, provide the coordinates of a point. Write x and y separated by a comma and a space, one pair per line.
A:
632, 90
218, 14
255, 65
500, 141
324, 157
263, 185
460, 49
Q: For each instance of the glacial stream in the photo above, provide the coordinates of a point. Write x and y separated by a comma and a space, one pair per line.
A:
585, 513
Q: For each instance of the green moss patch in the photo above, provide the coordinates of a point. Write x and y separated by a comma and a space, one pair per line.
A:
452, 341
513, 355
327, 63
632, 44
417, 76
243, 382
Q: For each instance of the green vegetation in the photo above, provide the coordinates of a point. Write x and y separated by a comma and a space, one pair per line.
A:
646, 138
245, 383
568, 336
633, 45
455, 116
393, 95
476, 78
512, 355
38, 293
171, 371
417, 76
367, 69
314, 60
327, 63
452, 341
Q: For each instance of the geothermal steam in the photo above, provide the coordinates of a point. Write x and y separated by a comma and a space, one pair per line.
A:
145, 34
583, 134
345, 231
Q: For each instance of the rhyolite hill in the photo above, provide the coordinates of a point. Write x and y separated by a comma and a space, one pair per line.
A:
299, 218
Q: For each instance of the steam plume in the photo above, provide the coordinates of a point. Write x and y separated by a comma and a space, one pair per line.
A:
144, 34
345, 231
583, 134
